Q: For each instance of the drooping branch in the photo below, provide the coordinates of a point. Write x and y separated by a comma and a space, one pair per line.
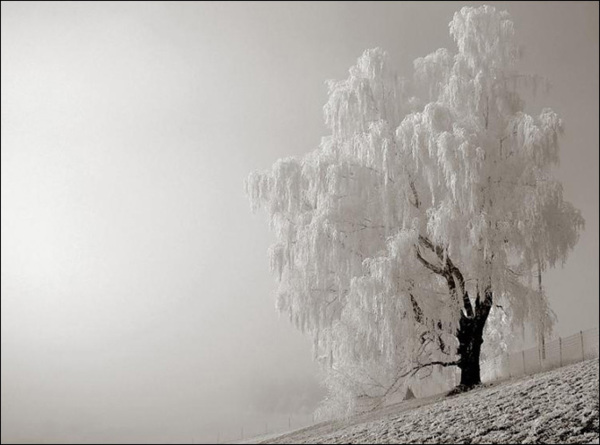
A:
435, 336
410, 373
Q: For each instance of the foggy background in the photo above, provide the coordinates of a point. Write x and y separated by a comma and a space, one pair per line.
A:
136, 298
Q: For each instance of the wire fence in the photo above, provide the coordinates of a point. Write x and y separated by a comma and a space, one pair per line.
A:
251, 433
543, 357
548, 355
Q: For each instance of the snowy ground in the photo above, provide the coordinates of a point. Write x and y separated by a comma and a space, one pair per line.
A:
559, 406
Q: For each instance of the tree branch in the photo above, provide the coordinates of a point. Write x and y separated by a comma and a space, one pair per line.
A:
437, 249
500, 307
416, 309
483, 307
417, 202
435, 363
450, 272
428, 265
412, 372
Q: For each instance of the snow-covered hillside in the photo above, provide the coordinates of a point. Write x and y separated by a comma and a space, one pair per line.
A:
559, 406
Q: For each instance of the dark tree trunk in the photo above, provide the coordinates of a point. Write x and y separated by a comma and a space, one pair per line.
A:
470, 338
472, 320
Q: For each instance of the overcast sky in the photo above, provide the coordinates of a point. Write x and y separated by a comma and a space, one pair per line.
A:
136, 298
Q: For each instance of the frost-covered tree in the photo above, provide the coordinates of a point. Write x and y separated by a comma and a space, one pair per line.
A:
430, 204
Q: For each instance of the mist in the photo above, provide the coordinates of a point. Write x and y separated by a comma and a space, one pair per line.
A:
137, 301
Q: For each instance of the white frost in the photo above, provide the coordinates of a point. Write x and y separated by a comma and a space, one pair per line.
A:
450, 157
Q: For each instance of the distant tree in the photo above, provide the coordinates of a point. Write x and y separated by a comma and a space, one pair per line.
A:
429, 205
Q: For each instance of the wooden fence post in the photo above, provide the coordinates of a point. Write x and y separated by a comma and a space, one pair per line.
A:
560, 349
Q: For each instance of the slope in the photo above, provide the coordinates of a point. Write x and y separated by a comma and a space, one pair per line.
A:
558, 406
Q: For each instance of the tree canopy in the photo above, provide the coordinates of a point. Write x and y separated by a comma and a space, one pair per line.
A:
430, 204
